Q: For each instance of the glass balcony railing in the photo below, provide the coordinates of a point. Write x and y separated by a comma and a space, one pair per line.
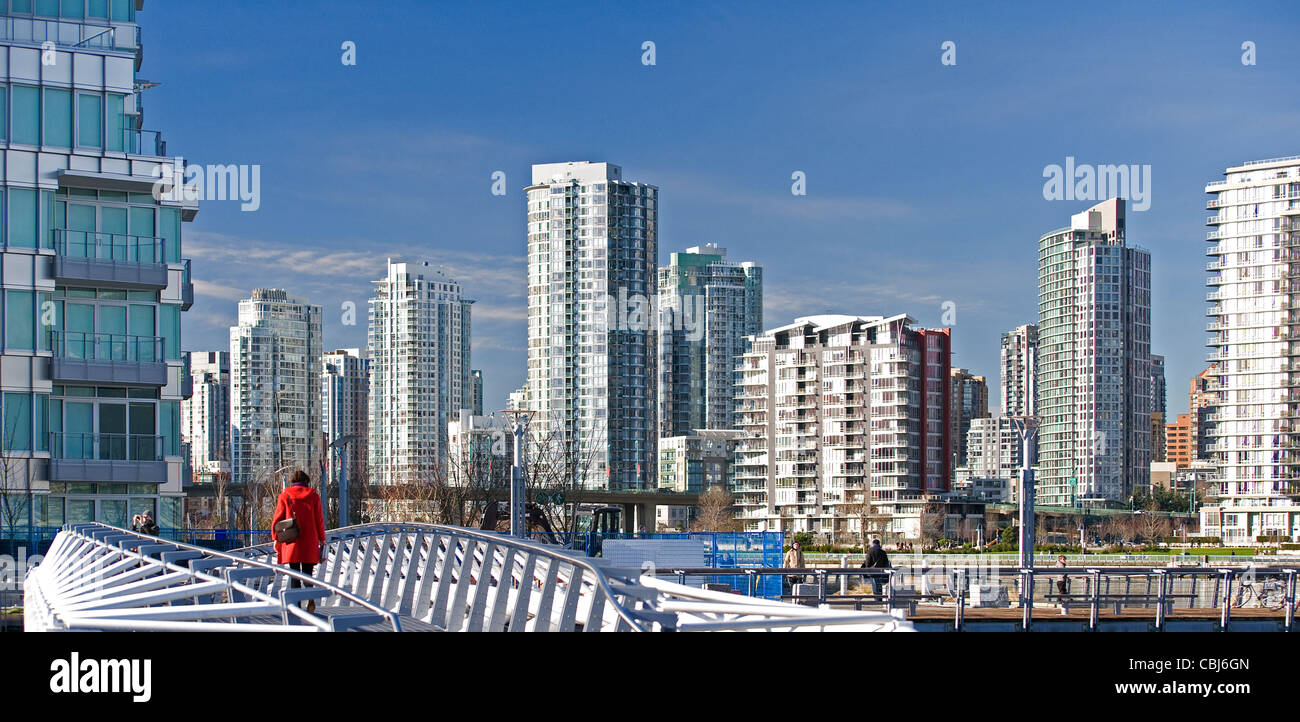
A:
106, 447
142, 142
108, 347
69, 34
120, 247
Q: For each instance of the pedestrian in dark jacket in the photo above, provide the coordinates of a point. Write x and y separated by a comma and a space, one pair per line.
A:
304, 553
876, 559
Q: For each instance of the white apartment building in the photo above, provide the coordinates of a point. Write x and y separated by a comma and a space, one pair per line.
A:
592, 261
1018, 366
837, 411
275, 401
419, 341
1093, 377
205, 416
1254, 326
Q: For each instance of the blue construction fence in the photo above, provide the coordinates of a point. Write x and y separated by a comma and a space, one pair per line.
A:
723, 550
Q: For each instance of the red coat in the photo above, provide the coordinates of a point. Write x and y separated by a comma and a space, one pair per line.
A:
305, 504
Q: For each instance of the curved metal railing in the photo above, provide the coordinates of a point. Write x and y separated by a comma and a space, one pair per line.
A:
398, 577
99, 577
453, 579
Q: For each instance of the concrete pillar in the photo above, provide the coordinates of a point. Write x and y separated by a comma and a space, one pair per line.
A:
645, 517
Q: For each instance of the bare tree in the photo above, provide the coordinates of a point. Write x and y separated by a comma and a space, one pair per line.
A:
932, 518
553, 463
717, 511
14, 469
871, 525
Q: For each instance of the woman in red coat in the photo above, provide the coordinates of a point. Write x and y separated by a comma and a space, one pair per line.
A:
304, 553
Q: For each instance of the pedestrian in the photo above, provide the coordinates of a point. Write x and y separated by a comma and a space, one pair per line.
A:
1062, 584
876, 559
302, 551
794, 560
148, 525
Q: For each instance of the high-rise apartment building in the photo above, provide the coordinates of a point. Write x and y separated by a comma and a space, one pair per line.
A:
1180, 445
1158, 398
1158, 395
708, 308
205, 416
275, 399
1093, 378
970, 400
476, 379
1018, 355
839, 411
420, 377
592, 255
94, 281
345, 410
1158, 441
1200, 404
1254, 324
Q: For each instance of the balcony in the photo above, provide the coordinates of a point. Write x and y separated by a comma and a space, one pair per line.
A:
108, 359
114, 458
70, 34
110, 259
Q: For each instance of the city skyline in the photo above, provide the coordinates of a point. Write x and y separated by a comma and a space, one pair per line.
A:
715, 188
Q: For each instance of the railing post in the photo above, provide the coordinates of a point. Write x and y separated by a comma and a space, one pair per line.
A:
820, 575
1227, 600
1161, 577
1027, 597
961, 600
1094, 608
1290, 600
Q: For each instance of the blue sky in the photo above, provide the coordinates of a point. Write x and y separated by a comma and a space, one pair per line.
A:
924, 182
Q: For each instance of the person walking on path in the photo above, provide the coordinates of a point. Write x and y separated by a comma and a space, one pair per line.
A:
301, 502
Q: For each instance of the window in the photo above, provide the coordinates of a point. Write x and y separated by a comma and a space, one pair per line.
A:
22, 218
19, 320
26, 115
90, 109
116, 130
18, 422
58, 117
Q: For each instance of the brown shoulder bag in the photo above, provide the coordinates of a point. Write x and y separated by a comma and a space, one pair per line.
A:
286, 530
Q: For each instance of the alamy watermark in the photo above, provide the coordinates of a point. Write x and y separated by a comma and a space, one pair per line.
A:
639, 313
13, 571
102, 676
1084, 182
179, 181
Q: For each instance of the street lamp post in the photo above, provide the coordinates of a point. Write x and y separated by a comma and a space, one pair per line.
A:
519, 419
340, 448
1027, 426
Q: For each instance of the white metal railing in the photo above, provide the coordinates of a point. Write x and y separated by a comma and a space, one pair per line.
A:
98, 577
456, 579
389, 577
